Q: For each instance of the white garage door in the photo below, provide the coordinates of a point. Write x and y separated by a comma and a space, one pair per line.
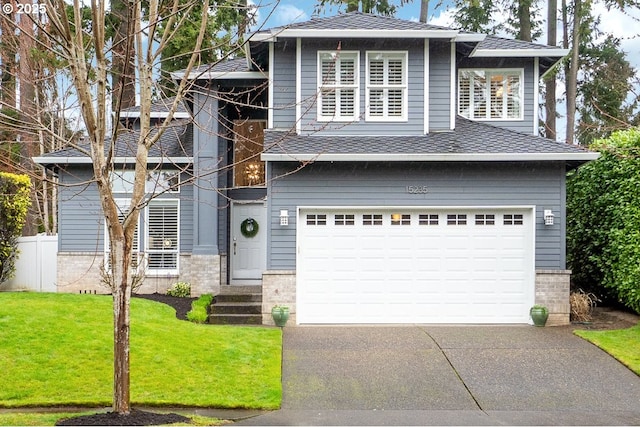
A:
383, 265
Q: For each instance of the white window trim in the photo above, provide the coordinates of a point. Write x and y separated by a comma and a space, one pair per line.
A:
162, 272
123, 206
403, 55
355, 86
488, 71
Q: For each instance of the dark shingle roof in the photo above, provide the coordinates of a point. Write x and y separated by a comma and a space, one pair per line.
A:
227, 66
176, 141
494, 42
357, 21
160, 106
469, 137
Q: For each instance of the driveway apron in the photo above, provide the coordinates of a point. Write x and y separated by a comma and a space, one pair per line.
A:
456, 375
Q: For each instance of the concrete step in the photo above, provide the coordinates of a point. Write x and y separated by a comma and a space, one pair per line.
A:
236, 308
229, 298
235, 319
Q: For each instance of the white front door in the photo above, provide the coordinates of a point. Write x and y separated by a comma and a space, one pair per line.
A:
248, 246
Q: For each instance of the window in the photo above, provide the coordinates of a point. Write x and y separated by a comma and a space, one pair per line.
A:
123, 209
485, 219
490, 94
338, 86
316, 219
400, 219
386, 86
161, 237
248, 169
456, 219
163, 181
372, 219
341, 219
428, 219
513, 219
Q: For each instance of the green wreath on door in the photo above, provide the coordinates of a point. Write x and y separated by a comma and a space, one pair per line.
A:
249, 227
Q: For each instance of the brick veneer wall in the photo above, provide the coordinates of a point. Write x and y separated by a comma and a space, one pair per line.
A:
552, 291
79, 272
278, 287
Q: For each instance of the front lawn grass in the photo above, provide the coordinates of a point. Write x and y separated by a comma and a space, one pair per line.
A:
623, 344
57, 349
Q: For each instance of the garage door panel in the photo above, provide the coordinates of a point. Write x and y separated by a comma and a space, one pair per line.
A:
429, 267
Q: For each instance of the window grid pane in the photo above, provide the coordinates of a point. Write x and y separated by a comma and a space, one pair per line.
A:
456, 219
372, 219
345, 219
428, 219
400, 219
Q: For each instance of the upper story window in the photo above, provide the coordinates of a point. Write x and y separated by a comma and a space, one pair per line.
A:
338, 85
387, 86
490, 94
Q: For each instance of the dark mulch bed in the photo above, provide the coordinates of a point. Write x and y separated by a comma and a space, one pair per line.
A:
181, 305
135, 418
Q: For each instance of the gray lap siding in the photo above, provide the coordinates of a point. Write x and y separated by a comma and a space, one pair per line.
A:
449, 185
81, 222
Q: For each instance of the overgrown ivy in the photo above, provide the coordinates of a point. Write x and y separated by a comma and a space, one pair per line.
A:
603, 220
15, 199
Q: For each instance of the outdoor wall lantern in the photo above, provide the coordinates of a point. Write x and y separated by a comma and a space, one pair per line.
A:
284, 217
548, 217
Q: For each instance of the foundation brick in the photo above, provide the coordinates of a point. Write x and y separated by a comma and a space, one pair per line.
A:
278, 288
552, 291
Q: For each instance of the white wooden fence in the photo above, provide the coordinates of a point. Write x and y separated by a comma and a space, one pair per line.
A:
36, 266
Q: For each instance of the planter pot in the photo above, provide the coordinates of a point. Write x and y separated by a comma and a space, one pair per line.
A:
280, 315
539, 315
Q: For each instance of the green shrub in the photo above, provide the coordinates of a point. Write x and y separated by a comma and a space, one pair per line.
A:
603, 221
15, 198
180, 289
197, 315
199, 312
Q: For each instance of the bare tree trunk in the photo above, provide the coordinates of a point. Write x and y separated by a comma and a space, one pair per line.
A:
550, 81
524, 16
572, 75
424, 11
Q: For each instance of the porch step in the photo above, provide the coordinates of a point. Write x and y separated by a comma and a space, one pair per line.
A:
237, 305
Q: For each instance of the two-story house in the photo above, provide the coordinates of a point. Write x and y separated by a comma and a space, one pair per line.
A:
360, 169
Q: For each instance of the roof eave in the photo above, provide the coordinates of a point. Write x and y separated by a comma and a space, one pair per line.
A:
417, 157
364, 33
155, 115
518, 53
69, 160
222, 75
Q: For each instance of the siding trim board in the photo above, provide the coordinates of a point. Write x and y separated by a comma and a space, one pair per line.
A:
426, 86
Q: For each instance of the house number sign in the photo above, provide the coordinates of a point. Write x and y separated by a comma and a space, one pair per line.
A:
417, 189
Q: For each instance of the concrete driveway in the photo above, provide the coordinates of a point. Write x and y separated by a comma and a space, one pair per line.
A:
450, 375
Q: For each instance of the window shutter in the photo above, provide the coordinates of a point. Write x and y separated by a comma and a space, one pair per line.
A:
513, 96
123, 209
376, 72
395, 72
395, 102
464, 95
162, 235
497, 96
